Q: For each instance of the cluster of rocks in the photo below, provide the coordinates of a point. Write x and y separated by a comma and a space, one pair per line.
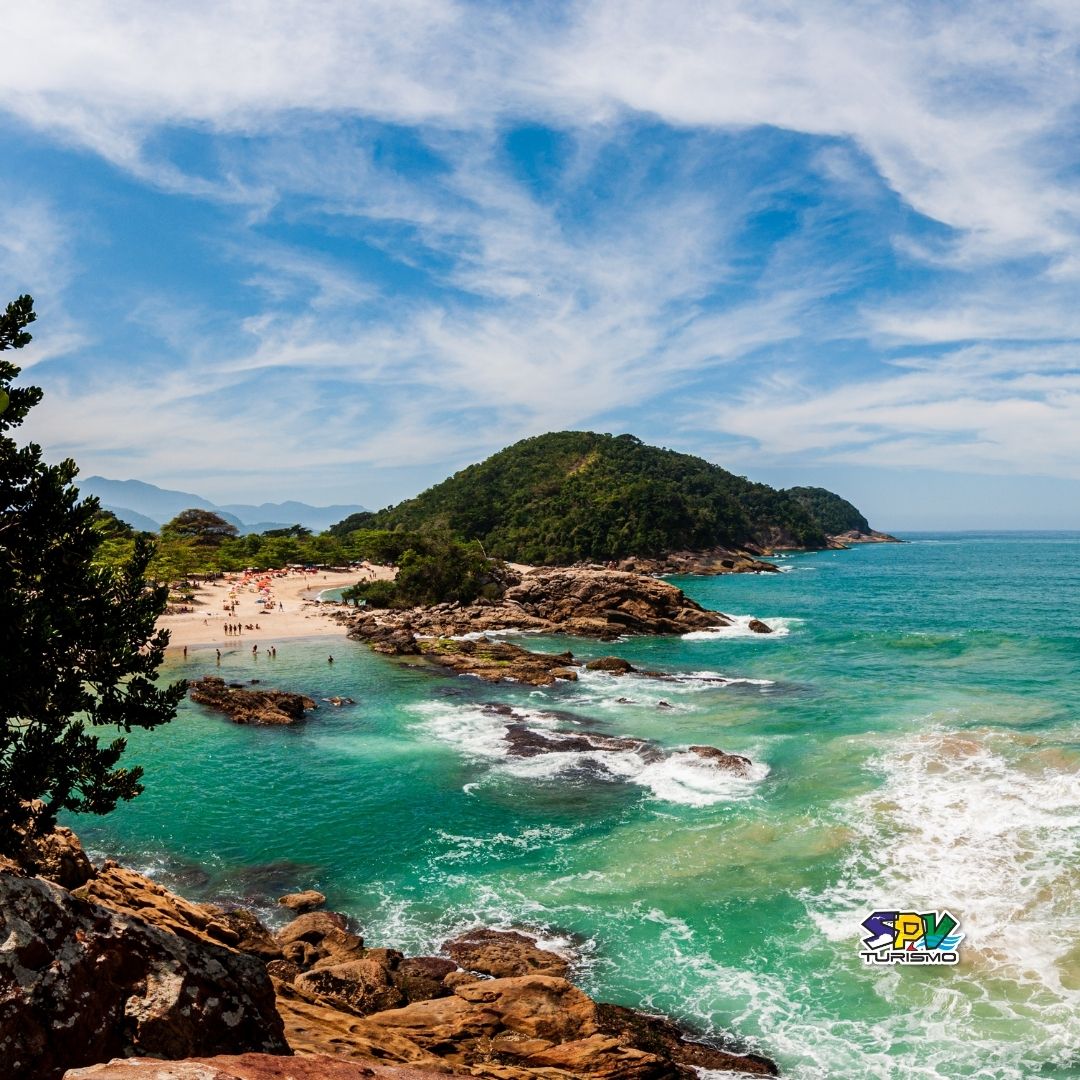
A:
108, 967
245, 706
582, 601
523, 739
857, 536
712, 562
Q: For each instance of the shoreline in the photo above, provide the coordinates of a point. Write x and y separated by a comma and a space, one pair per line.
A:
300, 614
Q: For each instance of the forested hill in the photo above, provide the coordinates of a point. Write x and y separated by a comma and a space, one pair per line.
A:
576, 495
833, 514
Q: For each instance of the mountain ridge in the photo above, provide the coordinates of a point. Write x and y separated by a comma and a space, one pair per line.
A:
139, 503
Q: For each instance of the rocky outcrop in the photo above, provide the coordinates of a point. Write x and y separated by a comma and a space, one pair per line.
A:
80, 984
245, 1067
242, 706
527, 1027
583, 601
857, 536
524, 741
153, 977
756, 626
711, 562
503, 954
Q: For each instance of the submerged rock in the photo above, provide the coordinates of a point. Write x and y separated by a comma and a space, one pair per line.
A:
734, 763
276, 707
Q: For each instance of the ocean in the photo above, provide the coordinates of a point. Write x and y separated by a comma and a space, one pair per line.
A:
915, 734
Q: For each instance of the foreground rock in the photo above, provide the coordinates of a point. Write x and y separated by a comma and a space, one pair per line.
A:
242, 706
81, 984
244, 1067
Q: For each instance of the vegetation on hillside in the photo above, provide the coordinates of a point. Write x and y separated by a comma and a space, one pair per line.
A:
835, 515
433, 568
577, 495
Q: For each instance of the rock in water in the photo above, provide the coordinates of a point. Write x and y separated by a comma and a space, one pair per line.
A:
734, 763
301, 902
275, 707
80, 984
758, 627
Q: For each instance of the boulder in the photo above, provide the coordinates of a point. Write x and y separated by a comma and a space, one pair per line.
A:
57, 856
735, 763
360, 986
758, 627
301, 902
80, 984
273, 707
497, 661
503, 954
319, 938
616, 665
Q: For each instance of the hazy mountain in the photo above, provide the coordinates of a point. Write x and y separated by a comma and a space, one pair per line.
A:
147, 507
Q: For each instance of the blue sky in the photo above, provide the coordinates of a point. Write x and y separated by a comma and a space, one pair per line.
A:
334, 251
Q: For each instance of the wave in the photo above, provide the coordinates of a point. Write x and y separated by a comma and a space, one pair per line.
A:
740, 628
676, 776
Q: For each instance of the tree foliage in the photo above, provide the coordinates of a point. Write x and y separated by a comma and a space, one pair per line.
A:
77, 639
835, 515
201, 526
575, 495
433, 568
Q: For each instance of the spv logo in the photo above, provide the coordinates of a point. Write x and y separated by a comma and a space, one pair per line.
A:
911, 937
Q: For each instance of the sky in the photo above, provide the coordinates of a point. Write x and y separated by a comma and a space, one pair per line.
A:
336, 250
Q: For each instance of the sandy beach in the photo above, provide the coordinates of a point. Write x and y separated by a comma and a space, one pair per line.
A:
299, 614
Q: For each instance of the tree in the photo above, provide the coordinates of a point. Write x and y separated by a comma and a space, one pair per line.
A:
202, 526
77, 641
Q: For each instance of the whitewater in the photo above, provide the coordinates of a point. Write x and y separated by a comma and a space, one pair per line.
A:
915, 742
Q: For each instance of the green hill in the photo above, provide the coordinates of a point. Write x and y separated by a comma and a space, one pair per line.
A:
576, 495
835, 515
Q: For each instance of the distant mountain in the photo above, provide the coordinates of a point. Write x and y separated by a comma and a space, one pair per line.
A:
577, 495
147, 507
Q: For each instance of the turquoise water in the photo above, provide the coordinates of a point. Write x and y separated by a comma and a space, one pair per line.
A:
916, 744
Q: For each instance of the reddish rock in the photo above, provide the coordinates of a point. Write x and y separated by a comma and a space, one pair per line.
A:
80, 984
302, 902
273, 707
503, 954
244, 1067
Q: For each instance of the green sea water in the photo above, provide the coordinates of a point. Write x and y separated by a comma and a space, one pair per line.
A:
916, 739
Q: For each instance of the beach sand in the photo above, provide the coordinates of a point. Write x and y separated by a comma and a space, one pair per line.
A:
204, 626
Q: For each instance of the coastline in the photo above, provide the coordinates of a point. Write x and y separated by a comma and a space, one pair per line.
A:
303, 615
